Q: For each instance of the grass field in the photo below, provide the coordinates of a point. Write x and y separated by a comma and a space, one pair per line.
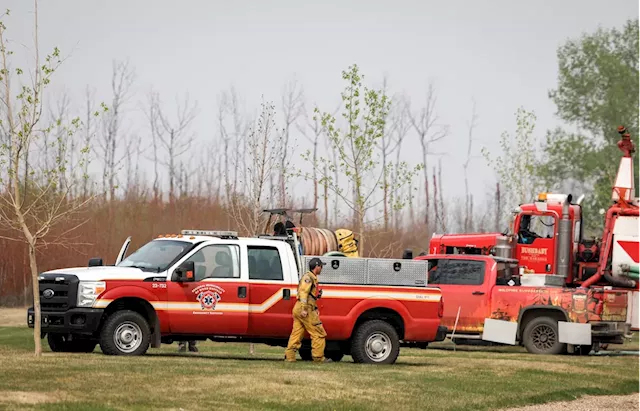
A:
226, 377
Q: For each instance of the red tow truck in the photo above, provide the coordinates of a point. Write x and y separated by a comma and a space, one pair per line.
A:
543, 284
214, 285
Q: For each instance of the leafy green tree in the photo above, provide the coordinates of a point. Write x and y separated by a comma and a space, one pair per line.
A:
597, 91
359, 158
516, 165
35, 195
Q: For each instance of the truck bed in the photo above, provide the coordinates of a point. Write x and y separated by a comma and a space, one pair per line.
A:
372, 271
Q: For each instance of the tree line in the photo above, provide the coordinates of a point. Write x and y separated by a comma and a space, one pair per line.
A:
73, 181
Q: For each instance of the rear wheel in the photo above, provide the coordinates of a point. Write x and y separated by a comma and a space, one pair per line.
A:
62, 343
335, 356
305, 354
375, 342
541, 336
125, 333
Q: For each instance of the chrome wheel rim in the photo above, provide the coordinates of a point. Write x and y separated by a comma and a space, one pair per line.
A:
378, 346
127, 337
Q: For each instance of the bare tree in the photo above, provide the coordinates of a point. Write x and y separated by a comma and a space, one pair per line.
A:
264, 151
122, 78
398, 130
89, 132
316, 128
32, 203
292, 109
465, 167
425, 124
171, 137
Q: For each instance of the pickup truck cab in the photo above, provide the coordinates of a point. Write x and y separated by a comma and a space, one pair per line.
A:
486, 304
214, 285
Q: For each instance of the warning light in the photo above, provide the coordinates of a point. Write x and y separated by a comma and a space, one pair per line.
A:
542, 197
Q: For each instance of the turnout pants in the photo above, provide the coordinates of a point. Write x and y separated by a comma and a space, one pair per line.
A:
311, 324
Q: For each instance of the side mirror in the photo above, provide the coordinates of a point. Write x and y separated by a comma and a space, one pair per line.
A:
95, 262
184, 273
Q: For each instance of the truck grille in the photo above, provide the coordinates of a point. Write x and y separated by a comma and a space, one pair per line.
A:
58, 292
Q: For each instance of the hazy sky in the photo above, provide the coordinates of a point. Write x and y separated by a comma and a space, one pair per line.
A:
502, 53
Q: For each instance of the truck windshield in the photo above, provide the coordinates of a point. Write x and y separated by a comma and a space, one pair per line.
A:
157, 255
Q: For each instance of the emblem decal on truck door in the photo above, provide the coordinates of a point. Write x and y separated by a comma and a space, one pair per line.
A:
208, 296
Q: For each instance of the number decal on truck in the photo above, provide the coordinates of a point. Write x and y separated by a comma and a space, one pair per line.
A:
159, 285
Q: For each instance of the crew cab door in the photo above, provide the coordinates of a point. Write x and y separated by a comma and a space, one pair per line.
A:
271, 284
216, 302
464, 288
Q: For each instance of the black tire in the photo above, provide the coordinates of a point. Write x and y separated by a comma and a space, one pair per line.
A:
583, 349
383, 337
125, 333
541, 337
305, 354
60, 343
335, 356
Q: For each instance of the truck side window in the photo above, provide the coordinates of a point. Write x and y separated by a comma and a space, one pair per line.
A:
217, 261
457, 272
264, 263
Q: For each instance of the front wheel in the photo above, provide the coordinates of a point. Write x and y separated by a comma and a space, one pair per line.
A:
375, 342
125, 333
541, 337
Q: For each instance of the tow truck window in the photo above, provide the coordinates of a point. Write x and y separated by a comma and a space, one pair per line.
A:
534, 226
217, 261
157, 255
458, 272
264, 263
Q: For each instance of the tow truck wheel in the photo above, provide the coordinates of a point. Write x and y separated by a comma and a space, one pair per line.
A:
125, 333
60, 343
375, 342
541, 336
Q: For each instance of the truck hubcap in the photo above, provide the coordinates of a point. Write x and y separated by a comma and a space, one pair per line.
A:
544, 337
378, 346
127, 337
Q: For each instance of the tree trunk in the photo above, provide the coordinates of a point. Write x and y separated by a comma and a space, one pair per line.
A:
36, 298
498, 207
435, 196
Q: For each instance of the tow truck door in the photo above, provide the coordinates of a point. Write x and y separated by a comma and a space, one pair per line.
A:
466, 294
123, 250
216, 302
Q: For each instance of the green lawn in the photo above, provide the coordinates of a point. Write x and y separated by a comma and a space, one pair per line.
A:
225, 376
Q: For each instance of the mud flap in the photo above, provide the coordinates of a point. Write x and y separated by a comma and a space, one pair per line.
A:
500, 331
574, 333
155, 337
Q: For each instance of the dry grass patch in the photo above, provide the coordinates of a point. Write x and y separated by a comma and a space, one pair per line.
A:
589, 403
32, 397
13, 317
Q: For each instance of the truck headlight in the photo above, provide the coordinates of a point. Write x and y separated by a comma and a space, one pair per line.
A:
88, 291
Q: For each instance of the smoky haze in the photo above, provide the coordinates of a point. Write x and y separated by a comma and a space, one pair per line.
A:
502, 54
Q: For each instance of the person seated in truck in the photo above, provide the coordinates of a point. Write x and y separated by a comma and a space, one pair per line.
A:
525, 236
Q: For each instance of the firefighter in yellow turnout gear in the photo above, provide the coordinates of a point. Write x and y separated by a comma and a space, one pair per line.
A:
306, 316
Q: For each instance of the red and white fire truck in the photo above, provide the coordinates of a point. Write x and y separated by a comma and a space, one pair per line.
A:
214, 285
561, 274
